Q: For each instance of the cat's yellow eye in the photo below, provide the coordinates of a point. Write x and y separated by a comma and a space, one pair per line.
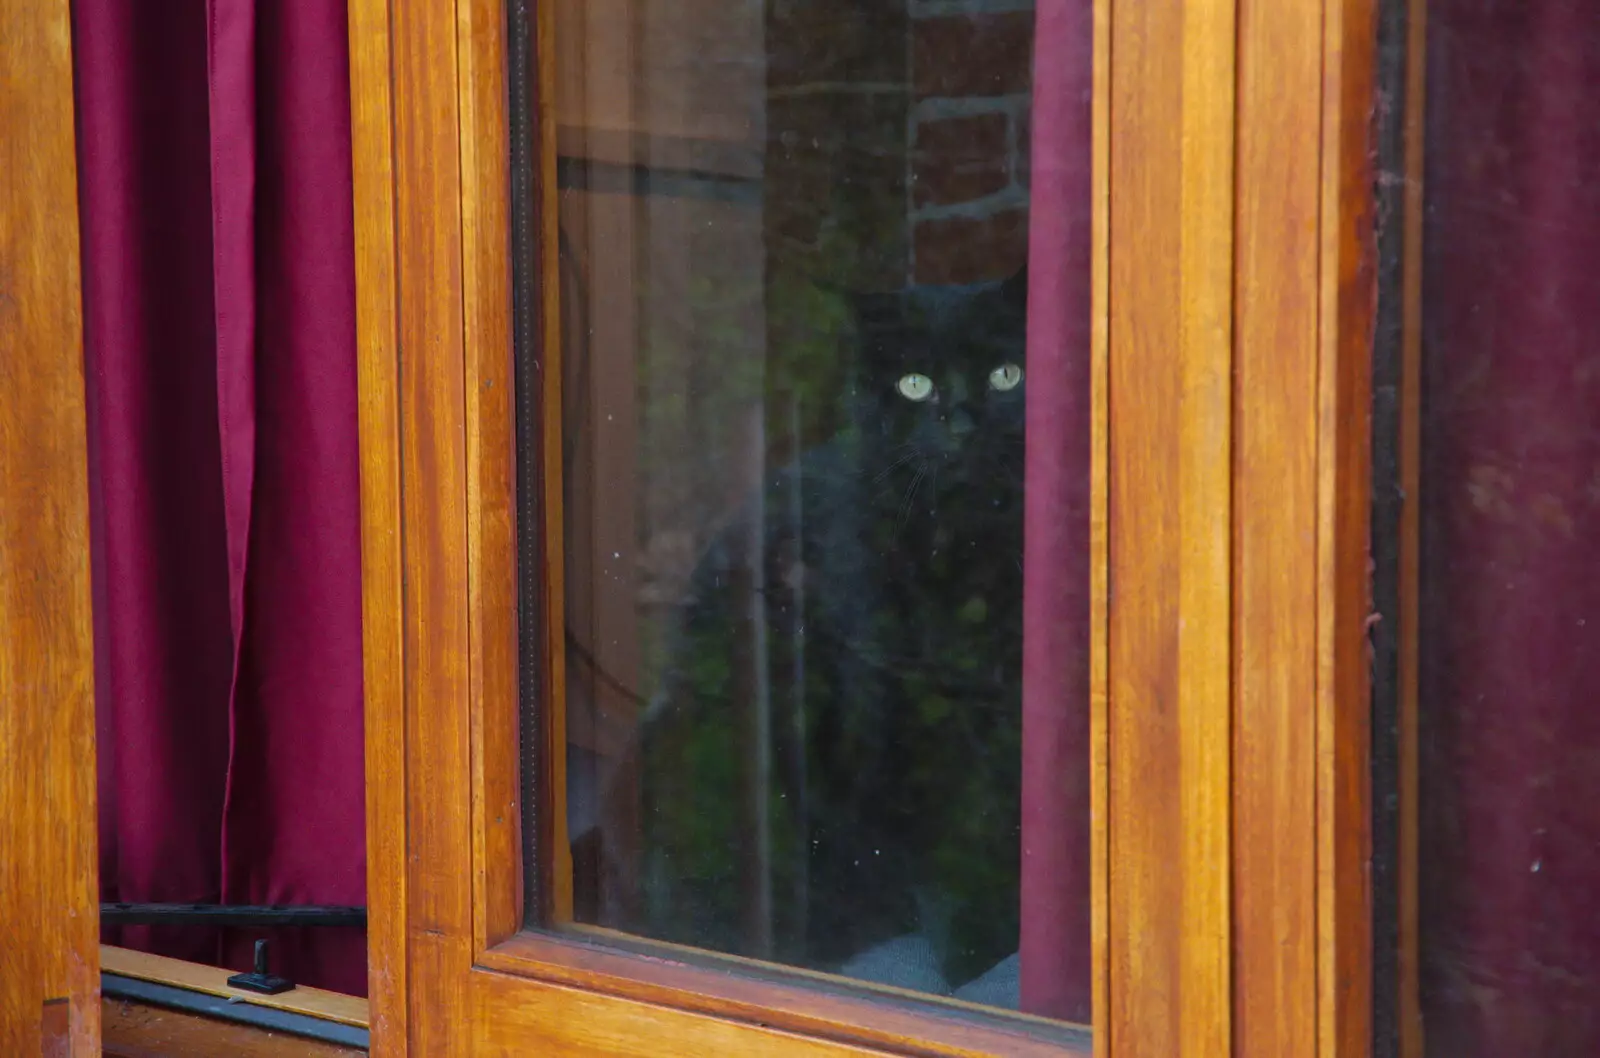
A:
915, 387
1005, 377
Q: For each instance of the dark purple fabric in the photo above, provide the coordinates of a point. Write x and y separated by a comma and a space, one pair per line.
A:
231, 84
1055, 944
161, 604
219, 304
1510, 505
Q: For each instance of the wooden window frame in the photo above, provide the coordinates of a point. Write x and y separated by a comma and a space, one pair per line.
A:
1233, 302
213, 981
138, 1022
49, 931
1232, 294
442, 724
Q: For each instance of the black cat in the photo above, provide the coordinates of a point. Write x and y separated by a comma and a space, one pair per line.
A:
834, 759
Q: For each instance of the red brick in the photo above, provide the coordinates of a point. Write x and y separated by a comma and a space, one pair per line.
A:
839, 165
960, 159
835, 41
971, 249
972, 55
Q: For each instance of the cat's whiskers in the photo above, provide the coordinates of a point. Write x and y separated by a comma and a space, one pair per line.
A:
895, 465
910, 496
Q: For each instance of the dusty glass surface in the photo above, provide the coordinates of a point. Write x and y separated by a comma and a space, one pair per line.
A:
1509, 668
794, 296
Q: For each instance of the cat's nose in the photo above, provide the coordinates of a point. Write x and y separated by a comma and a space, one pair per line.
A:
960, 422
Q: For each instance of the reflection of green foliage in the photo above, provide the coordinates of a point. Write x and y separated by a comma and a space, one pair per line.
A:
915, 743
812, 330
717, 337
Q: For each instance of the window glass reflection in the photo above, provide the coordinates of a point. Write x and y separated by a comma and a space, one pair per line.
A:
795, 295
1509, 667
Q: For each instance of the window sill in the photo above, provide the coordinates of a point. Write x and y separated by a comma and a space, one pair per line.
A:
143, 1026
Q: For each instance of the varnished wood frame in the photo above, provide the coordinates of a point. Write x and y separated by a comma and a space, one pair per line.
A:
1232, 350
1188, 215
1276, 462
1305, 286
450, 973
49, 943
213, 980
1242, 262
139, 1030
1168, 916
1304, 313
1346, 325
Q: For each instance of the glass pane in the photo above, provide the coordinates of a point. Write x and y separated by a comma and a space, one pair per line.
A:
1509, 667
803, 431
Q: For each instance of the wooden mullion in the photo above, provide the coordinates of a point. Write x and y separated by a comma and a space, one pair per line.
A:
436, 596
1170, 484
1347, 285
491, 453
49, 955
382, 618
1275, 527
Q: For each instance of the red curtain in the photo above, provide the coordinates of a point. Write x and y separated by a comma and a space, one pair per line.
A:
1055, 943
214, 142
1510, 505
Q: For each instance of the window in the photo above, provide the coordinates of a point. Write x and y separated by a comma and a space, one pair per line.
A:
594, 472
807, 649
618, 274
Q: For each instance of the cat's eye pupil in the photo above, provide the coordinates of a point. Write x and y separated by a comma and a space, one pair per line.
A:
1005, 377
915, 387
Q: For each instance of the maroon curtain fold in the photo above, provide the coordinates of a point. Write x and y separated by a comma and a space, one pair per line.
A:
1055, 943
1510, 505
163, 650
220, 348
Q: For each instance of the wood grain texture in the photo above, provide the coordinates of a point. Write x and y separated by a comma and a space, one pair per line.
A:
1410, 956
1275, 527
527, 1017
437, 497
559, 878
1099, 532
137, 1030
49, 925
799, 1001
433, 524
491, 470
382, 617
1344, 488
213, 980
1170, 359
438, 528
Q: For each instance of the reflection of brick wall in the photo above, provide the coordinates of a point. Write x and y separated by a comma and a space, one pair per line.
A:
837, 205
897, 139
836, 140
972, 70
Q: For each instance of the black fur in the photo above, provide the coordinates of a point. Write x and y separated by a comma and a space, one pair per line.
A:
890, 588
